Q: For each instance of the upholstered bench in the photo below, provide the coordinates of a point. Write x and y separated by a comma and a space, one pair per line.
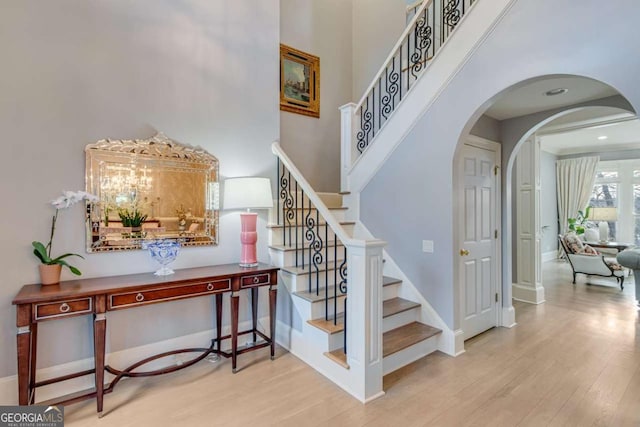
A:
631, 258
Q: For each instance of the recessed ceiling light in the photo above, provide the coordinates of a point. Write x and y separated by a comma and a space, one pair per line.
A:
603, 137
556, 91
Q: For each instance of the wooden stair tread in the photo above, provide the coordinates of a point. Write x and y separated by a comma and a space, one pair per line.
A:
329, 266
327, 325
388, 281
287, 248
322, 223
397, 305
405, 336
339, 357
313, 208
312, 297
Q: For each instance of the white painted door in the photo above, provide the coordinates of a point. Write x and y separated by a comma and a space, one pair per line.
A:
478, 238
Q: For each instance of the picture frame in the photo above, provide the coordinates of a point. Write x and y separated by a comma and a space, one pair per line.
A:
299, 82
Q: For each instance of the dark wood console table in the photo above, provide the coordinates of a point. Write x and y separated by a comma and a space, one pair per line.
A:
37, 303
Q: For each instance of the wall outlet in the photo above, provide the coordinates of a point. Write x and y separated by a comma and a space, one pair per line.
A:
427, 246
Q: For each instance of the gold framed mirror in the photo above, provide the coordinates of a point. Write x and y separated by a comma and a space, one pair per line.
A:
150, 189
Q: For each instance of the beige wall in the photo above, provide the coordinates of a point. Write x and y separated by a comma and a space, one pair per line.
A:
377, 25
205, 72
322, 28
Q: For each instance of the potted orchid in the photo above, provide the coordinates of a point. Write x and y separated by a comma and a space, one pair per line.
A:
50, 267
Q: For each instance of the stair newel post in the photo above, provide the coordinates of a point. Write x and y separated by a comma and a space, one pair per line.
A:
347, 142
364, 308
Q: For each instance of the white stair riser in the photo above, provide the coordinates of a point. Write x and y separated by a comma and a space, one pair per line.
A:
397, 360
318, 307
279, 237
288, 258
400, 319
300, 282
325, 341
391, 291
301, 215
331, 200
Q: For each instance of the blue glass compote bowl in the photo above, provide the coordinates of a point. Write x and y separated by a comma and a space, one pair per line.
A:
164, 252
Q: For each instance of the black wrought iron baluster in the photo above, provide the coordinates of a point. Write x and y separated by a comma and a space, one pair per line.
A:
310, 237
422, 41
287, 204
450, 17
343, 289
408, 56
278, 198
295, 230
365, 126
301, 230
290, 212
326, 271
400, 67
335, 277
317, 252
373, 109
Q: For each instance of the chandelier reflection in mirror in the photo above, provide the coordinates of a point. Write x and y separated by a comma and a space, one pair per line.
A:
150, 189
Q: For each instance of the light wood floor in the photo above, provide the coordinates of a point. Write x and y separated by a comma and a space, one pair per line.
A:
574, 360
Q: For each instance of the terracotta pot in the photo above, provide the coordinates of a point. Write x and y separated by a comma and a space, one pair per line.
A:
50, 274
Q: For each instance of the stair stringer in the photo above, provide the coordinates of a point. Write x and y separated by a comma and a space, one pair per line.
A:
296, 343
473, 29
449, 341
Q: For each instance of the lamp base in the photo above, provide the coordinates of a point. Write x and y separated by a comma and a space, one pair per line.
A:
248, 239
603, 228
246, 265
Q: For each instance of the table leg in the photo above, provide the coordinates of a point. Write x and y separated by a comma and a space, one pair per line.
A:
218, 321
254, 311
33, 362
99, 338
235, 299
273, 293
23, 341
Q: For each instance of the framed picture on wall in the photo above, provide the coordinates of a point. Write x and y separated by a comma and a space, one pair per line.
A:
299, 82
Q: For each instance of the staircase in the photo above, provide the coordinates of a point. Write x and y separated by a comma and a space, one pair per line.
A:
345, 319
309, 239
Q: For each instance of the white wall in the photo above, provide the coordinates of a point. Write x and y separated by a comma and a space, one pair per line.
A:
205, 72
377, 25
418, 175
322, 28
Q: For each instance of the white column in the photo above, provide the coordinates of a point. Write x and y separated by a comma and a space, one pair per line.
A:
347, 133
364, 317
528, 287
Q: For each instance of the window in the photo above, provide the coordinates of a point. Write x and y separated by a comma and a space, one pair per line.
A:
605, 195
617, 184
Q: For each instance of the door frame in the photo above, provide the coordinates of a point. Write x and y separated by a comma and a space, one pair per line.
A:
496, 147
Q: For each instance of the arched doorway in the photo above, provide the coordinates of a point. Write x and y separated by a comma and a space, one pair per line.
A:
515, 129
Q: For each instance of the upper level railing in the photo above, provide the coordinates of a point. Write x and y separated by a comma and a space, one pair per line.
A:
432, 24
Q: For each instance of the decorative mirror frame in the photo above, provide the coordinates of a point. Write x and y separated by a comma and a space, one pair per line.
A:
158, 152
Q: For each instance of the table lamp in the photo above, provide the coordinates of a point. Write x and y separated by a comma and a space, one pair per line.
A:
248, 193
603, 215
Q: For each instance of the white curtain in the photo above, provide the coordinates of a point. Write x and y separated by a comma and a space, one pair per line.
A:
574, 181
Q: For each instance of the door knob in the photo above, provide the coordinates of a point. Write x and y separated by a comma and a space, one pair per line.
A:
464, 252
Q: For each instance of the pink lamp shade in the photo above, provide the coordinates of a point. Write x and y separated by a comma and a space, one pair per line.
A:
248, 193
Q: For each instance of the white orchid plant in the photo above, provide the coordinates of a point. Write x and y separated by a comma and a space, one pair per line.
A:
43, 252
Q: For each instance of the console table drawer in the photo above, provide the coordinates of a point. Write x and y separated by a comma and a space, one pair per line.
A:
62, 309
255, 280
129, 299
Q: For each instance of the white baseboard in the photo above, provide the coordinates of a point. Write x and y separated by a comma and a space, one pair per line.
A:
508, 317
119, 359
549, 256
528, 294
